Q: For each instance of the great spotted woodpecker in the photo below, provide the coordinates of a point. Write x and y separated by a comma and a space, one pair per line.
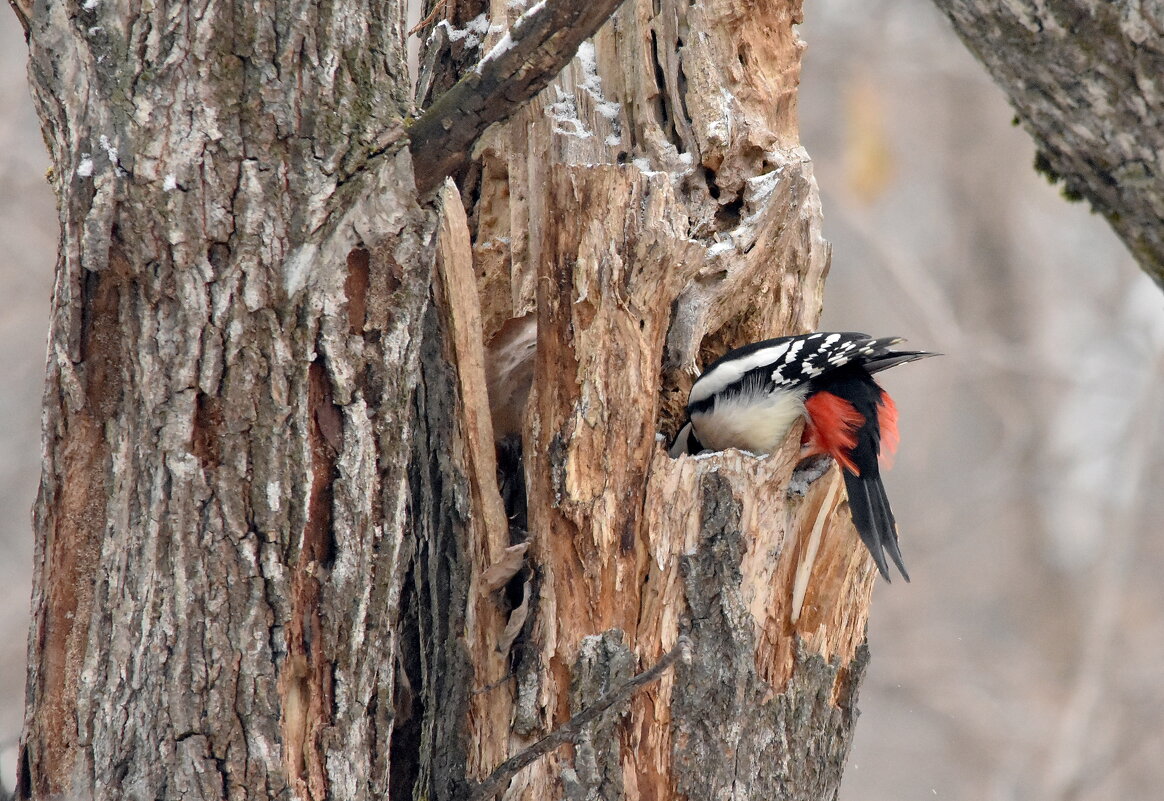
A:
751, 396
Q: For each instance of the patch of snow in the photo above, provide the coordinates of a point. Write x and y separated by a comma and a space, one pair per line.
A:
503, 44
609, 109
85, 168
564, 114
589, 63
170, 183
644, 166
473, 32
534, 9
506, 41
720, 247
592, 84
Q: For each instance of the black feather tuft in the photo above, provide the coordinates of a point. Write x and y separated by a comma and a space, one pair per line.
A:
873, 520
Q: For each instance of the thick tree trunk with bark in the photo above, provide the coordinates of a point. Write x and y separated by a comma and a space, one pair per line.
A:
1086, 78
221, 521
273, 556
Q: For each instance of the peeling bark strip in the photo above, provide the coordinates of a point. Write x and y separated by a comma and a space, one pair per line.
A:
1085, 79
71, 509
306, 680
77, 525
538, 45
487, 531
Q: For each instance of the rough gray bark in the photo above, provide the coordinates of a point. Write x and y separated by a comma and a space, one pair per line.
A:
269, 526
220, 533
1086, 78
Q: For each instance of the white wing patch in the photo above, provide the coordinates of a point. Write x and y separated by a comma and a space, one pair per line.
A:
724, 375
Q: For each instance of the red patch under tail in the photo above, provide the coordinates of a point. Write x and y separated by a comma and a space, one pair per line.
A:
832, 428
887, 422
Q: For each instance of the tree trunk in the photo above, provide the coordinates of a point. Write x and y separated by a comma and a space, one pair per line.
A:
221, 519
1086, 78
273, 560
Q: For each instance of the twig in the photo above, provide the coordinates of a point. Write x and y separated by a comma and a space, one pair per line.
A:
568, 731
424, 23
538, 45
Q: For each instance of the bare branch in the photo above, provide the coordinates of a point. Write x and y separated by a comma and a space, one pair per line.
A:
541, 42
1083, 77
568, 731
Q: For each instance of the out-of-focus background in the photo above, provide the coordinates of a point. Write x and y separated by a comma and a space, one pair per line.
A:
28, 251
1026, 659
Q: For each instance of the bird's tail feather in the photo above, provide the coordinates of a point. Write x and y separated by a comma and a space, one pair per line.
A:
893, 358
874, 521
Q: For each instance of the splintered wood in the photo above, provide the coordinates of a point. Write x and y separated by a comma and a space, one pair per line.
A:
647, 211
456, 293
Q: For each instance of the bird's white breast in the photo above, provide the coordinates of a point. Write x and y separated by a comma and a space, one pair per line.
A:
751, 421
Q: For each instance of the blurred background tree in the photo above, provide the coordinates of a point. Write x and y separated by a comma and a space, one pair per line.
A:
1019, 662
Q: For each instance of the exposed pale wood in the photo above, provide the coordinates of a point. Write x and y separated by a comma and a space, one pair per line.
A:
487, 527
509, 373
1086, 78
500, 572
653, 207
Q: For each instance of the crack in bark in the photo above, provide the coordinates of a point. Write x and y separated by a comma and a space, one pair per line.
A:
77, 517
306, 681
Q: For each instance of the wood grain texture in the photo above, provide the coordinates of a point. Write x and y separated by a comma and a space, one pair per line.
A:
487, 527
1085, 78
652, 207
